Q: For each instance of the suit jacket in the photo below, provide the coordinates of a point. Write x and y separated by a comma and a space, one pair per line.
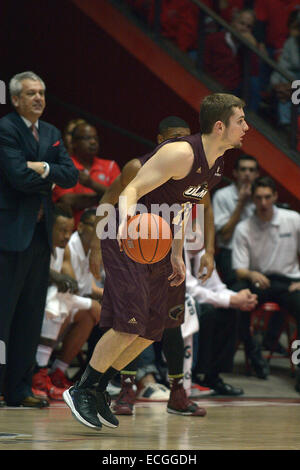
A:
22, 190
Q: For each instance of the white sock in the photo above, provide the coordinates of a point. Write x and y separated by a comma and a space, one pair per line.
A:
43, 354
57, 364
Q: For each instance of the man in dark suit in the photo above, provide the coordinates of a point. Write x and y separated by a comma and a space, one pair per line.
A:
32, 159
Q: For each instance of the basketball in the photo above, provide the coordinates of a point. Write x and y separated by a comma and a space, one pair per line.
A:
149, 238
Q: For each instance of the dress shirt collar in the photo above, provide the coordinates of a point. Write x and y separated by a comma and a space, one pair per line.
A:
28, 123
275, 221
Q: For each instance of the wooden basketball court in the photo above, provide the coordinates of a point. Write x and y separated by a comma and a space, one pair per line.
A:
230, 424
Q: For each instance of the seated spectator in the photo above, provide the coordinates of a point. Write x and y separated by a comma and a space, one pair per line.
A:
67, 134
265, 255
95, 174
289, 61
232, 204
223, 57
217, 336
69, 274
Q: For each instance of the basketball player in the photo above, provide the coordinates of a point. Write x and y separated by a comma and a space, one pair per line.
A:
172, 341
135, 295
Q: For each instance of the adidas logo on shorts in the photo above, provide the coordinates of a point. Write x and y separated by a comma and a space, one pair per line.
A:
133, 321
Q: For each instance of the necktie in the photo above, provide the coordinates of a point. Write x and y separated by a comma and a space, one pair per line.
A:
35, 132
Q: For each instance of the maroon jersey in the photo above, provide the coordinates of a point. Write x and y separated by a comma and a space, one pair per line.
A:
137, 297
195, 185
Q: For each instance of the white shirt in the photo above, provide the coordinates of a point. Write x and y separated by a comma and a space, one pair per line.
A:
80, 265
224, 203
56, 261
212, 291
268, 247
29, 123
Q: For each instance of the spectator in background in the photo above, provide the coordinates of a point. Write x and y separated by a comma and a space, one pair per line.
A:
289, 61
223, 57
95, 174
179, 21
32, 159
227, 8
272, 23
67, 134
265, 254
231, 205
67, 313
271, 31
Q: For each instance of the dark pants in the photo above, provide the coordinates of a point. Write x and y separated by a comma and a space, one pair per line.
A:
216, 340
23, 287
224, 266
277, 292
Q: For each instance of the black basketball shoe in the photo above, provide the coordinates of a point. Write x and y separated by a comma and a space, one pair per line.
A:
83, 405
104, 412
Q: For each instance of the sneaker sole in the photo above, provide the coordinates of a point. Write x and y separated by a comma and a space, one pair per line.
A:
106, 423
68, 400
152, 400
184, 413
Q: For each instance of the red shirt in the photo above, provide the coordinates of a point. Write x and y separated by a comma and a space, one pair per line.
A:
221, 63
179, 21
226, 12
102, 171
275, 14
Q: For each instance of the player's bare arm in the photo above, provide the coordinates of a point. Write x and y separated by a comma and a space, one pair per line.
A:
111, 196
207, 260
175, 161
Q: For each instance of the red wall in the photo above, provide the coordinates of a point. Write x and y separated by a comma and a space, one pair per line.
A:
83, 66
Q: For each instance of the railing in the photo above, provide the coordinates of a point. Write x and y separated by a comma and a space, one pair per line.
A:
93, 119
246, 69
248, 49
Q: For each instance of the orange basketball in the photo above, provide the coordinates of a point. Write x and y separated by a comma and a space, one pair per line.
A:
149, 238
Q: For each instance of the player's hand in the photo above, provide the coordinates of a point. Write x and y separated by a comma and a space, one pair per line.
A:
122, 233
95, 311
206, 267
95, 261
178, 275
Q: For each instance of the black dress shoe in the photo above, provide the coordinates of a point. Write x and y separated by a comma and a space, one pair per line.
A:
221, 388
259, 364
30, 402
